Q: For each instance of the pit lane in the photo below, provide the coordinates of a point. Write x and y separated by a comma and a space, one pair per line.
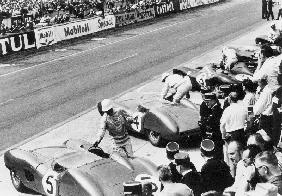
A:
44, 89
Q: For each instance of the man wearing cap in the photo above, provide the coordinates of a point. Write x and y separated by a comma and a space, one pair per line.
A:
114, 120
215, 172
210, 113
175, 87
190, 176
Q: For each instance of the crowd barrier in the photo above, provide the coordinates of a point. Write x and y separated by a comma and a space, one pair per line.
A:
46, 36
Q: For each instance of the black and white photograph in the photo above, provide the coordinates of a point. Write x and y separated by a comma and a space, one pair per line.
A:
140, 97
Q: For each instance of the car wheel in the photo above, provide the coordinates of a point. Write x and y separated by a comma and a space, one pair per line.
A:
155, 138
17, 183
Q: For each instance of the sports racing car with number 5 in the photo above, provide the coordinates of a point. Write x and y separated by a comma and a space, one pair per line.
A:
73, 170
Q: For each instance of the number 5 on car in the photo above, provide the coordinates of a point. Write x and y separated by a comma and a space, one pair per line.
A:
50, 183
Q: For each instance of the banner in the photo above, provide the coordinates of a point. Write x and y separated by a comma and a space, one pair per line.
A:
45, 36
166, 7
145, 14
83, 27
186, 4
125, 18
17, 42
105, 23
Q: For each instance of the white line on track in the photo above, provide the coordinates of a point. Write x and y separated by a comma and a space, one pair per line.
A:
188, 35
5, 102
110, 43
119, 60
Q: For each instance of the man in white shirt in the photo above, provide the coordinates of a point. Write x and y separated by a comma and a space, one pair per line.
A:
248, 157
233, 120
268, 69
263, 107
272, 37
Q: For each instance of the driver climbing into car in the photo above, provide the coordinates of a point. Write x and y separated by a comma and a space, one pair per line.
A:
176, 86
115, 120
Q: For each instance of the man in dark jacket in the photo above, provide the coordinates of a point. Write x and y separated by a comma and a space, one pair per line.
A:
215, 173
269, 9
189, 174
264, 9
210, 112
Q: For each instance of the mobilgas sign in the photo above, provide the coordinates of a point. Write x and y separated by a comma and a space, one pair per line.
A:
76, 29
73, 29
17, 42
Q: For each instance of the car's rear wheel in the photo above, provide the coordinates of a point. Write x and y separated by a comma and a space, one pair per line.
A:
155, 138
16, 181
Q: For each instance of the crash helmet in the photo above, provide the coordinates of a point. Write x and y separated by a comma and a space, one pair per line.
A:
107, 104
164, 76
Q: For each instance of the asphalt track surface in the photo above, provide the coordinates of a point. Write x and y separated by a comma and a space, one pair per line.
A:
44, 89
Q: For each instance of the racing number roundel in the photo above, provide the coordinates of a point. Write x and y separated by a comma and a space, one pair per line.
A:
50, 183
145, 178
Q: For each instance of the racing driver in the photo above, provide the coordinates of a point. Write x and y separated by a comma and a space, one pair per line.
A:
115, 121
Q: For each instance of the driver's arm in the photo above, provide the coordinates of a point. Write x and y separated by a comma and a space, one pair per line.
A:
164, 90
102, 129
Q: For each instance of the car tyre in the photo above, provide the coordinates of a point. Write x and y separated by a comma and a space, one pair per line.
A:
155, 138
17, 183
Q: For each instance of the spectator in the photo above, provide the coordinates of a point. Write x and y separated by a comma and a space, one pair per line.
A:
269, 9
234, 152
248, 158
190, 176
277, 111
170, 188
273, 37
215, 172
266, 165
263, 107
233, 120
264, 9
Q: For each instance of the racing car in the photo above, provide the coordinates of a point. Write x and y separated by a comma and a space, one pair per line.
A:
73, 169
161, 121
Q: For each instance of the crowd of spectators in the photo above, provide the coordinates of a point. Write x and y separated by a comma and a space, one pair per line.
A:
23, 15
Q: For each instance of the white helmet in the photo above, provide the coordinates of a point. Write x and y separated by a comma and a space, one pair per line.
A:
107, 104
164, 76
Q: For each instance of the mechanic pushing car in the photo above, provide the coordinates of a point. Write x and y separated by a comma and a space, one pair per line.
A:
114, 120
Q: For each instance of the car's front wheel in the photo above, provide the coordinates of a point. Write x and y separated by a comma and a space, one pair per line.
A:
155, 138
16, 181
